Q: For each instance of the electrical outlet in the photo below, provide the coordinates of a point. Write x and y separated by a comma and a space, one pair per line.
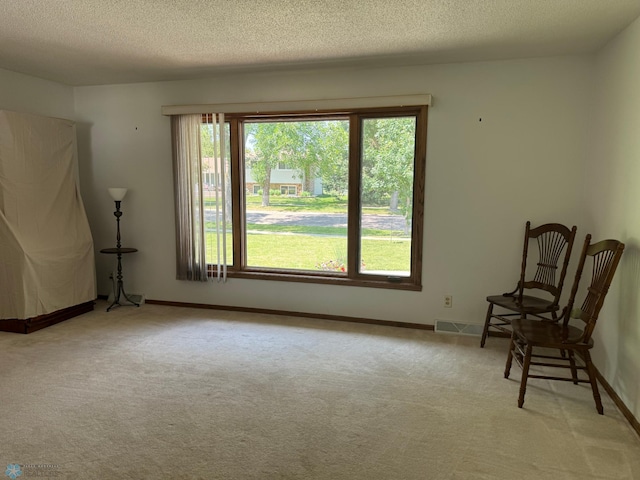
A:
448, 301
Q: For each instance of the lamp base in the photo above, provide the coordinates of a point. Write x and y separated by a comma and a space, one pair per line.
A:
135, 298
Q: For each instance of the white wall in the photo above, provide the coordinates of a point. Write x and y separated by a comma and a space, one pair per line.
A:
22, 93
523, 161
613, 197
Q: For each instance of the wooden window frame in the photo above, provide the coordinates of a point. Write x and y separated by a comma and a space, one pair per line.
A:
352, 277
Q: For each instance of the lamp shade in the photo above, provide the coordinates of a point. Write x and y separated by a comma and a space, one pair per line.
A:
117, 193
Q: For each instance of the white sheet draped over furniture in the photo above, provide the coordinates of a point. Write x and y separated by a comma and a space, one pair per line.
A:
46, 249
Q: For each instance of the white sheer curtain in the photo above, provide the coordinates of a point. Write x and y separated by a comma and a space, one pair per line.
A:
220, 196
191, 263
195, 245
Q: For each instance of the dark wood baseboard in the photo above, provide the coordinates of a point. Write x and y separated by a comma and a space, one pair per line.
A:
29, 325
633, 421
339, 318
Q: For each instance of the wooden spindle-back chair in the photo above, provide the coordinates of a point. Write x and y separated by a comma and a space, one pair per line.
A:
528, 336
554, 242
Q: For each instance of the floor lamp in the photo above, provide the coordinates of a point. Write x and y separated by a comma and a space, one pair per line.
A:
118, 194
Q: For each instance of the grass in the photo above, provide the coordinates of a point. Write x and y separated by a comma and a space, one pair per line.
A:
305, 247
324, 204
320, 204
333, 231
305, 252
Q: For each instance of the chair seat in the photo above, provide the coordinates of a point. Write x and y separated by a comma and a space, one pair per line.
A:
548, 334
529, 304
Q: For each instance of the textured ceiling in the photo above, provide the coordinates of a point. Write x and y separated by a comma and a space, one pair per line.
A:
88, 42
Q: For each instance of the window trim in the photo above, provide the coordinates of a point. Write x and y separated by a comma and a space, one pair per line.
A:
327, 104
352, 277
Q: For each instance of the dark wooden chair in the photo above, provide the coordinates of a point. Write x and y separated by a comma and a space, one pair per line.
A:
528, 334
552, 240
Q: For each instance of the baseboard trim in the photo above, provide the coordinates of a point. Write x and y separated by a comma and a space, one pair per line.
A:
633, 421
30, 325
322, 316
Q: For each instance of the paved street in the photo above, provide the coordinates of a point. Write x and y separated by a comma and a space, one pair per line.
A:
311, 219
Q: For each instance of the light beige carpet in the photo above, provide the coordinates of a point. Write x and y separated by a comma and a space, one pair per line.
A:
175, 393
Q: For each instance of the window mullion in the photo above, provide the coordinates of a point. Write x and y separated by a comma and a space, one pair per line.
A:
237, 202
353, 211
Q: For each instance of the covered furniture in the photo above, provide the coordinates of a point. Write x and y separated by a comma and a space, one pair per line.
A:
47, 264
552, 242
531, 339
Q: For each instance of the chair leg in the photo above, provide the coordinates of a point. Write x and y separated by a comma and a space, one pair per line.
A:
507, 368
563, 352
574, 370
594, 383
485, 330
525, 375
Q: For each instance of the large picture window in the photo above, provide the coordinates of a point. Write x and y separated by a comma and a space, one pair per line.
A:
331, 197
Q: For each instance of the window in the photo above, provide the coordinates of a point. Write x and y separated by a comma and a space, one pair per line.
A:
288, 189
337, 196
209, 180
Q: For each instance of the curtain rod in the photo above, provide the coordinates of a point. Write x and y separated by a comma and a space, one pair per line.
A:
300, 105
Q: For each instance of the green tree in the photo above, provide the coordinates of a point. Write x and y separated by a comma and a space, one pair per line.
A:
269, 142
313, 148
207, 151
320, 148
388, 158
206, 143
334, 165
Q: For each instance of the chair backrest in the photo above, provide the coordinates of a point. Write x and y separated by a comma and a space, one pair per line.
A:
552, 239
605, 257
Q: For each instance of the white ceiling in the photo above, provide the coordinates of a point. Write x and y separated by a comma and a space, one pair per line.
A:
89, 42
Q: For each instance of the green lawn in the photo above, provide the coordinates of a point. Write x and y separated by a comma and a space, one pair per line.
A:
341, 231
305, 252
306, 247
323, 204
330, 231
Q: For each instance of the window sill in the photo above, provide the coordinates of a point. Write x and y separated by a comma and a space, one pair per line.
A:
377, 282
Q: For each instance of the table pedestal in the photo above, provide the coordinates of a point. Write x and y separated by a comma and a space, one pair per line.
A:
119, 290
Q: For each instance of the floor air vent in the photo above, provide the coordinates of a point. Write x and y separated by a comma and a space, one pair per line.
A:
446, 326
